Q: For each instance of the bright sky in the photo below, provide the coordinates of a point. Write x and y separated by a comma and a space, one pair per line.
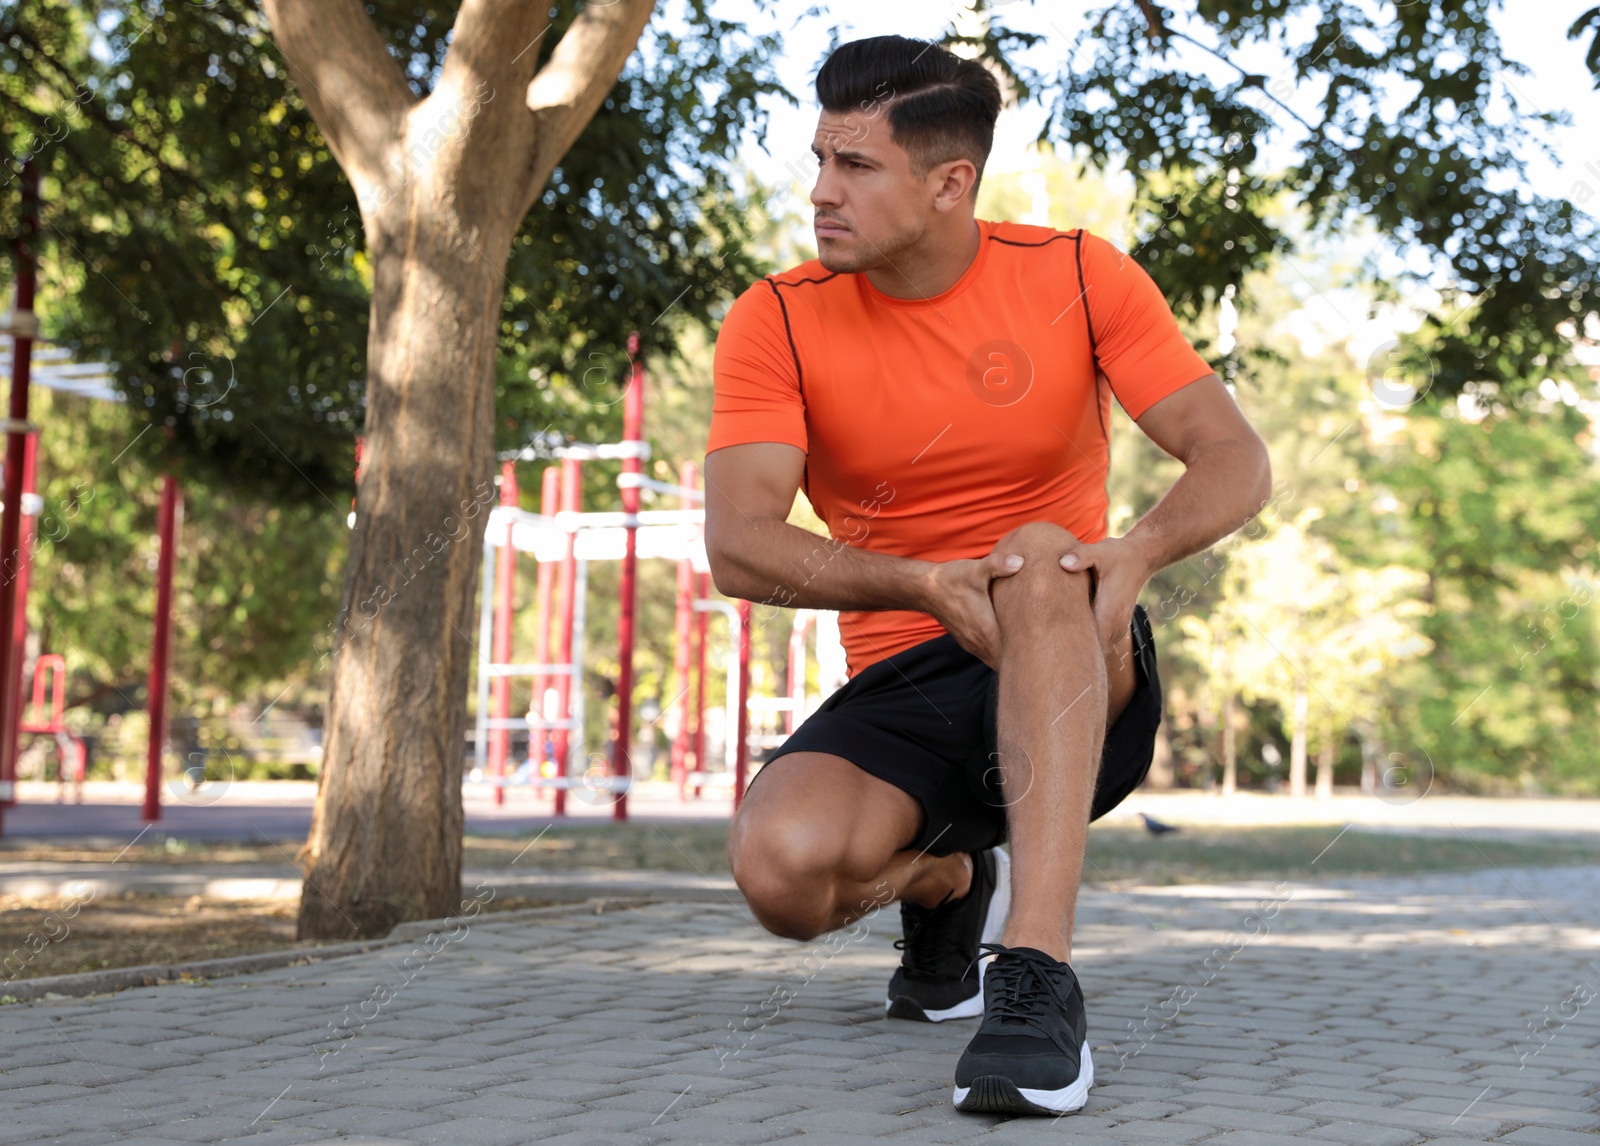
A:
1557, 79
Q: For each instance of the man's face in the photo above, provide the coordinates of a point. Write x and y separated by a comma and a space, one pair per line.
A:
870, 207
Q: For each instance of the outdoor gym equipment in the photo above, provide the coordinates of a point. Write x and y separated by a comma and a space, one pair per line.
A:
19, 330
70, 751
563, 539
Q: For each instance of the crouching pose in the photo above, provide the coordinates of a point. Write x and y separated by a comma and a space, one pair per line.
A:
940, 386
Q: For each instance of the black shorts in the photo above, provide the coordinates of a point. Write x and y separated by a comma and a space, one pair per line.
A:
924, 720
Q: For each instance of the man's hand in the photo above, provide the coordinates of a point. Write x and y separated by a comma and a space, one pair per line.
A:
1118, 569
961, 601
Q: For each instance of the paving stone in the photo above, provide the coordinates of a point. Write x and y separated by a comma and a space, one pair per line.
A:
365, 1119
1358, 1018
1580, 1102
1276, 1103
1364, 1134
1143, 1110
1469, 1126
1238, 1118
34, 1088
707, 1128
1166, 1130
1543, 1136
1031, 1131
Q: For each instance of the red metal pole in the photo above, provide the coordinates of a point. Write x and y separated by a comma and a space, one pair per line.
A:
571, 489
632, 432
161, 651
549, 501
684, 630
741, 755
702, 593
797, 668
19, 625
23, 328
505, 606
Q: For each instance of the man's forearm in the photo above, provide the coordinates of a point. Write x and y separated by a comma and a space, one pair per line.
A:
1223, 486
775, 563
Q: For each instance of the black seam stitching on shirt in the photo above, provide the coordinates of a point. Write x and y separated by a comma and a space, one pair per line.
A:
799, 372
799, 376
1094, 348
801, 282
1083, 294
1013, 243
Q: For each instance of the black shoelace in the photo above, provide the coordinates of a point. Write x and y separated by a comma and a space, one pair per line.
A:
1023, 982
932, 960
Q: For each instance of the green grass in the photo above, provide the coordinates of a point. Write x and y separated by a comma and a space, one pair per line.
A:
1203, 855
1116, 853
619, 847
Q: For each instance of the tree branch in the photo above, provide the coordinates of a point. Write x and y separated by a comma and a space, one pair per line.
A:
1152, 17
570, 88
354, 88
489, 40
1251, 80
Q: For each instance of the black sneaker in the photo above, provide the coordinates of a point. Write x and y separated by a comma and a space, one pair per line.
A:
1030, 1055
940, 975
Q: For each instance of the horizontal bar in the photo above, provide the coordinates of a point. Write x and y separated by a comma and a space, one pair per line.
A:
584, 451
639, 481
611, 783
527, 670
495, 723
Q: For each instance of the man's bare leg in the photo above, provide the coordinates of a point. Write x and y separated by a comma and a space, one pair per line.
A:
818, 843
1058, 693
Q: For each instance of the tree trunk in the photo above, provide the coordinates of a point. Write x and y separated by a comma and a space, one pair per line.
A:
1325, 756
443, 181
1230, 754
385, 842
1297, 746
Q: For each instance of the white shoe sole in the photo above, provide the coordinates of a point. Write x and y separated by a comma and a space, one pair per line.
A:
996, 1095
994, 926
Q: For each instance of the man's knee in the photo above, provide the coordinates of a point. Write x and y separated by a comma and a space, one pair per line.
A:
1036, 537
1041, 591
786, 868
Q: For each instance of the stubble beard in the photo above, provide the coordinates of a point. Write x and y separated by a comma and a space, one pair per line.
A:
873, 255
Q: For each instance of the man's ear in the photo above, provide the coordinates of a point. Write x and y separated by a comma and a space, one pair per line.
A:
956, 178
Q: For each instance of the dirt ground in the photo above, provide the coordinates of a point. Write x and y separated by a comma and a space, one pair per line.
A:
131, 930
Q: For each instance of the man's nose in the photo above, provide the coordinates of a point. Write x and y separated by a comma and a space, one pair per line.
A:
824, 193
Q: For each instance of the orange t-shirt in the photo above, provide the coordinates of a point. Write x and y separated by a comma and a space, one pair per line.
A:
933, 427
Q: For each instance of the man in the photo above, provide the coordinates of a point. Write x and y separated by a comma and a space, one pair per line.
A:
940, 386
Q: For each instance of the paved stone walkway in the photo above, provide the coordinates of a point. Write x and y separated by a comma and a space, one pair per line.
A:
1354, 1011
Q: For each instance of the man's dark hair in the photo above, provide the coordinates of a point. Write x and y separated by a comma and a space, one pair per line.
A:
939, 106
